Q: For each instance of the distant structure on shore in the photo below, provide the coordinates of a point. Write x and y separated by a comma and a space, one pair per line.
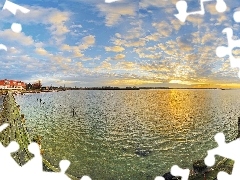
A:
12, 84
37, 87
34, 86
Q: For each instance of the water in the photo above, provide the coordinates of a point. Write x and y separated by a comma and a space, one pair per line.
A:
130, 134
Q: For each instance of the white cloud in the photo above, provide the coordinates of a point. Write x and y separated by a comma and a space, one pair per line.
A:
20, 38
77, 51
41, 51
52, 17
115, 49
114, 13
119, 57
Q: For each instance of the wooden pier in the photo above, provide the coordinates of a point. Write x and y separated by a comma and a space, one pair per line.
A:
17, 131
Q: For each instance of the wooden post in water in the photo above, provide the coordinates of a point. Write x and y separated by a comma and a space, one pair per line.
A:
238, 136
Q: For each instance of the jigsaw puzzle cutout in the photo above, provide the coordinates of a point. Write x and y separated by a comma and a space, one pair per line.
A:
236, 16
110, 1
227, 150
159, 178
182, 9
222, 51
177, 172
33, 169
13, 8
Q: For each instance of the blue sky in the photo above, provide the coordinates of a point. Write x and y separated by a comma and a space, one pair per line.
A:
124, 43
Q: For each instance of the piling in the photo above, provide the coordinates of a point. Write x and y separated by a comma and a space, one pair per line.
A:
238, 135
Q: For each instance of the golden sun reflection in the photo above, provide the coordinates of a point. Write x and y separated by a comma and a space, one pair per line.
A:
164, 112
187, 108
180, 108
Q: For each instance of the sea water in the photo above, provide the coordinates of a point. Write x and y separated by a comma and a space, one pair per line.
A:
133, 134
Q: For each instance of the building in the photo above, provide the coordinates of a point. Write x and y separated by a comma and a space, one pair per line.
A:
37, 85
12, 84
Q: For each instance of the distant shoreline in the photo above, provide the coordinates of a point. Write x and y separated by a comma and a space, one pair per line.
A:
140, 88
4, 91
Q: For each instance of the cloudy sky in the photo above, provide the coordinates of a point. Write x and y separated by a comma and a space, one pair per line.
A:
125, 43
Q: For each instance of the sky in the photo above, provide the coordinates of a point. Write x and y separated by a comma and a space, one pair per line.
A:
89, 43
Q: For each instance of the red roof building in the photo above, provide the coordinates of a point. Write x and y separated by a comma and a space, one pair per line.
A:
12, 84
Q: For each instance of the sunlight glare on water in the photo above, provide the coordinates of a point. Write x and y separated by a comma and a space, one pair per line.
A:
130, 134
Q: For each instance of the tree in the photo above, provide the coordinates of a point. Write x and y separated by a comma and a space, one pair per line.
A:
37, 85
28, 86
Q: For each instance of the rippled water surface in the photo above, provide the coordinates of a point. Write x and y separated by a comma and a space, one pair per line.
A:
130, 134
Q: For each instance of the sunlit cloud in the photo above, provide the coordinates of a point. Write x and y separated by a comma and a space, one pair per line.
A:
123, 43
